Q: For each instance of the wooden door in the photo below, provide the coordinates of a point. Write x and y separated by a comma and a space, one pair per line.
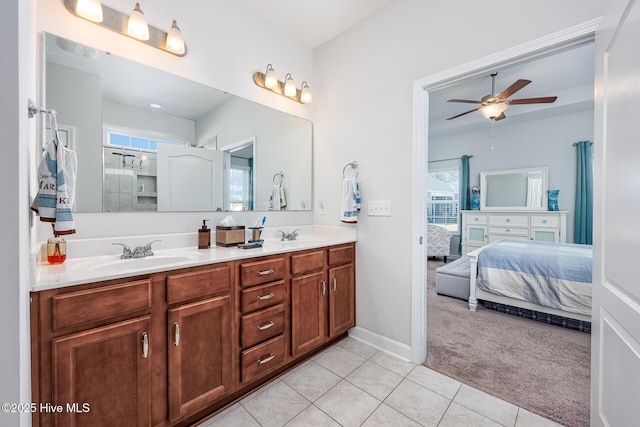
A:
615, 351
342, 299
103, 374
200, 352
308, 312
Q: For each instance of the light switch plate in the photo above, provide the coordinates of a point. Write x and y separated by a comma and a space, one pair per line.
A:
379, 208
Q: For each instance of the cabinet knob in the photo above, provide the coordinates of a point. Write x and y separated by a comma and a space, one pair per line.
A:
508, 220
544, 221
508, 230
476, 219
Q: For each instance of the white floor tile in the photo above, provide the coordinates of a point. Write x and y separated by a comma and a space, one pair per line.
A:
276, 405
236, 416
394, 364
459, 416
386, 416
375, 380
485, 404
339, 361
434, 381
312, 381
418, 403
529, 419
361, 349
347, 404
312, 416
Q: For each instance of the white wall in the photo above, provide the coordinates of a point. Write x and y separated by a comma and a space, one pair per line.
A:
543, 142
226, 44
363, 111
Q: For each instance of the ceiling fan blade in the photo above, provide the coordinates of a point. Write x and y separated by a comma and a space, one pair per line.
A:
519, 84
462, 114
500, 117
468, 101
543, 100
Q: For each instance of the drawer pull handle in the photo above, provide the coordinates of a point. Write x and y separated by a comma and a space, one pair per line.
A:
267, 326
266, 297
334, 285
267, 359
176, 339
266, 272
145, 345
324, 288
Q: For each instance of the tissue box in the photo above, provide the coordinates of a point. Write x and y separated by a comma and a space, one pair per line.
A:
229, 236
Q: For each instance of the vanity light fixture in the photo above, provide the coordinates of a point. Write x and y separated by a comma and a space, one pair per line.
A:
134, 26
137, 26
269, 81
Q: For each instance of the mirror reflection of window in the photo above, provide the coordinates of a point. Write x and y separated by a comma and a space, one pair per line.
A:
443, 200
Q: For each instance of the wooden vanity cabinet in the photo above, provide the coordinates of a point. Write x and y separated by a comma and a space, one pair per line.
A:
342, 289
200, 341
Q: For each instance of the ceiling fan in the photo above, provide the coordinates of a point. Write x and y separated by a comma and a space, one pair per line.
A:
492, 106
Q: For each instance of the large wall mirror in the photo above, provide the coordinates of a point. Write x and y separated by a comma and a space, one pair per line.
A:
147, 140
515, 189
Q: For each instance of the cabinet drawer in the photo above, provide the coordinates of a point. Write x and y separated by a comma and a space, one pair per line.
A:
260, 297
307, 262
476, 219
509, 220
262, 358
262, 325
509, 231
259, 272
341, 254
197, 284
91, 305
545, 220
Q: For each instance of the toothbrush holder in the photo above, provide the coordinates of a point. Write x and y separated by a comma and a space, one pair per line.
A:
256, 233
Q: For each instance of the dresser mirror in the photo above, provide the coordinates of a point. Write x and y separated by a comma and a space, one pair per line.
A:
148, 140
514, 189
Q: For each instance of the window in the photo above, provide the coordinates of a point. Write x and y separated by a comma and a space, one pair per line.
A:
443, 199
138, 139
240, 191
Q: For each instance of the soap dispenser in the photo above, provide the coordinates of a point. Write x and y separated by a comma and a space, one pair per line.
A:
204, 236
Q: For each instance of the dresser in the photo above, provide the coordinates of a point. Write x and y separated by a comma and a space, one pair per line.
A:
480, 228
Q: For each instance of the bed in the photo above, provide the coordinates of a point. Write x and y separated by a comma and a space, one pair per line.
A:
552, 278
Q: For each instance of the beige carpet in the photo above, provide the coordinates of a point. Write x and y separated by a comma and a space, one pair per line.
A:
540, 367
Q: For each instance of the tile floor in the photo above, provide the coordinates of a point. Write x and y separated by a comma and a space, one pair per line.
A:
353, 384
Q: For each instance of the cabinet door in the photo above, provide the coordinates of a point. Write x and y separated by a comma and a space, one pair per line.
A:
342, 299
308, 312
545, 234
200, 351
475, 234
101, 376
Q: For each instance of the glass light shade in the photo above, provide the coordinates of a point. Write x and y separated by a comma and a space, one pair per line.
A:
138, 26
175, 41
305, 93
290, 86
270, 78
492, 111
90, 9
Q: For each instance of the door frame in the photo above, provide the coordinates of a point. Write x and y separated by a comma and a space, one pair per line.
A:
421, 88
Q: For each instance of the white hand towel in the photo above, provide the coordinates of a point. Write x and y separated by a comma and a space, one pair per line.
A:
283, 200
350, 201
56, 188
277, 201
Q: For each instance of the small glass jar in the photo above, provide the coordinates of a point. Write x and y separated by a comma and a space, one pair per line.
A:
56, 250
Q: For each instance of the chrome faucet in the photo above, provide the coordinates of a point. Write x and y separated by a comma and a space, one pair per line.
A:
137, 252
288, 236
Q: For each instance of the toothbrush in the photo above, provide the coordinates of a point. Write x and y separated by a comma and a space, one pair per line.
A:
258, 222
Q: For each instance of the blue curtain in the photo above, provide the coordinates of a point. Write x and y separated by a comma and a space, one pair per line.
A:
465, 194
584, 195
250, 183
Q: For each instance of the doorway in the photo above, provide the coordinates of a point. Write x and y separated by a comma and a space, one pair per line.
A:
239, 172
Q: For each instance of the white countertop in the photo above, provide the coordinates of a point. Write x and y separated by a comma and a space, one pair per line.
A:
89, 269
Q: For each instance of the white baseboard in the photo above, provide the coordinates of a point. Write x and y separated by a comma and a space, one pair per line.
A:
382, 343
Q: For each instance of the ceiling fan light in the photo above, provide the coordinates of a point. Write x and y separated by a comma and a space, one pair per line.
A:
492, 111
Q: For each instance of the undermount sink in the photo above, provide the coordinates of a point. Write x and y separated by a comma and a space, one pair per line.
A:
119, 265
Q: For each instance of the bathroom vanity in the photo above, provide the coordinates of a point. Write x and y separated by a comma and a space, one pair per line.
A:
169, 346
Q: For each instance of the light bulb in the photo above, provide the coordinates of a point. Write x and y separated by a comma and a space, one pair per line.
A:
270, 78
90, 9
492, 111
289, 86
175, 41
305, 93
138, 27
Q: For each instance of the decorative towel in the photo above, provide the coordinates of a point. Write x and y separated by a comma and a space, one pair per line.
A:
277, 200
56, 188
350, 201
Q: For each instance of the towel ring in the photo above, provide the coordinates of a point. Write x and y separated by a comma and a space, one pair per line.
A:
279, 174
354, 165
